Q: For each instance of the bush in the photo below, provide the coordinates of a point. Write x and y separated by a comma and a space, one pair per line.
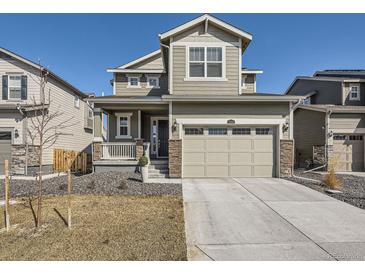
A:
332, 181
143, 161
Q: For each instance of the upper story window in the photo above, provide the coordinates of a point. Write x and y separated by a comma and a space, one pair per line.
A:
15, 87
76, 102
134, 82
153, 82
354, 92
307, 101
206, 62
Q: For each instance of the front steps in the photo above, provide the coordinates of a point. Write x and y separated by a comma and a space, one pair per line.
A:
158, 169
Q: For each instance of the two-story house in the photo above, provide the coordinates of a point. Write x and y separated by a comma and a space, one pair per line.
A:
330, 124
20, 102
193, 109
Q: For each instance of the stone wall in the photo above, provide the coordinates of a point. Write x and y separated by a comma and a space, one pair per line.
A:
286, 157
319, 157
139, 149
97, 151
19, 158
175, 158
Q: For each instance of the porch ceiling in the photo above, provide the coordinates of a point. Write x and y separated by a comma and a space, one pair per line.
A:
142, 107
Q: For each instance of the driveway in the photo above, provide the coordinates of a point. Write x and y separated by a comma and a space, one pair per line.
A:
268, 219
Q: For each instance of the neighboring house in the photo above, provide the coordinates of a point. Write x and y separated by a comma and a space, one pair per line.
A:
331, 121
193, 110
19, 87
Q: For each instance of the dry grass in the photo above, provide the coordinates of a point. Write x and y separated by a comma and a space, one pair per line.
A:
104, 228
332, 181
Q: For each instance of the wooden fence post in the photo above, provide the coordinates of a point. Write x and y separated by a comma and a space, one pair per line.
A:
69, 188
7, 203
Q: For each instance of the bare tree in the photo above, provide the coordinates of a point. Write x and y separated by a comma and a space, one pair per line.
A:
46, 126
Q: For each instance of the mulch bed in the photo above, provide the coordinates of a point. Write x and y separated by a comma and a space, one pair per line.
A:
353, 189
107, 183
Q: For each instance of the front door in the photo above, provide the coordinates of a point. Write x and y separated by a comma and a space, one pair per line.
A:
163, 136
159, 137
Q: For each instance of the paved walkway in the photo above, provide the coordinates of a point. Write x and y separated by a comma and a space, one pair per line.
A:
269, 219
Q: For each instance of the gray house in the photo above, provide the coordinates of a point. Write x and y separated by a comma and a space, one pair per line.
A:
19, 99
193, 109
330, 124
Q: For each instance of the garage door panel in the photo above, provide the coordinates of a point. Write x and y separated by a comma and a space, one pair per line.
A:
241, 171
194, 157
241, 145
193, 145
217, 158
5, 149
263, 145
241, 157
263, 158
349, 153
194, 171
263, 171
217, 145
217, 171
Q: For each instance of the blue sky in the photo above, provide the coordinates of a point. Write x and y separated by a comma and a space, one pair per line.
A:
80, 47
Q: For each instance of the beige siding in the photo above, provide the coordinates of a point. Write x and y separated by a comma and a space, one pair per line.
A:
122, 88
113, 126
154, 62
308, 131
62, 99
197, 34
230, 110
182, 86
346, 92
347, 121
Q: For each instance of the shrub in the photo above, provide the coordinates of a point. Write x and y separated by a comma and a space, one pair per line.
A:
332, 181
143, 161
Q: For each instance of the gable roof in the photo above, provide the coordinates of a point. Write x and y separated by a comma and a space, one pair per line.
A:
209, 18
140, 59
39, 67
334, 108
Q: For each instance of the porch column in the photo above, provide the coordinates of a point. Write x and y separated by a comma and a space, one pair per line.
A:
98, 134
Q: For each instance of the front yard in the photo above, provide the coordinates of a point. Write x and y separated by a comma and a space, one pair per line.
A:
353, 190
115, 219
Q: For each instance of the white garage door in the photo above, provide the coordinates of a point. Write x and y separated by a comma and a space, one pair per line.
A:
228, 152
348, 151
5, 149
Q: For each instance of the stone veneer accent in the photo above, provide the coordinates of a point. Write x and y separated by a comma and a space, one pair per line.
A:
319, 157
19, 156
175, 158
96, 151
286, 157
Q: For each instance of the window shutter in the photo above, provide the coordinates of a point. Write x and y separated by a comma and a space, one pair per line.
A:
5, 87
24, 88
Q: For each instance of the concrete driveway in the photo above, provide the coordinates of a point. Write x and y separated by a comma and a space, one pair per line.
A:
268, 219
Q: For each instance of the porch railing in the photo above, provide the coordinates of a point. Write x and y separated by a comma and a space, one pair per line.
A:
122, 151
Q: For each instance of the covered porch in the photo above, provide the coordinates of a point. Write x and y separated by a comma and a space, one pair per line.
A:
123, 132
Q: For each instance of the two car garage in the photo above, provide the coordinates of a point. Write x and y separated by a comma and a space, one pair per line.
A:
224, 151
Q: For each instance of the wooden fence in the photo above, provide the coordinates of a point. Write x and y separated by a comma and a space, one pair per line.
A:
80, 161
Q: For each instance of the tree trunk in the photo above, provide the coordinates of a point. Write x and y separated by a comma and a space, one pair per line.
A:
40, 186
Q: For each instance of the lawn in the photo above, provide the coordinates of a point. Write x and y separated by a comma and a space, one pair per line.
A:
104, 228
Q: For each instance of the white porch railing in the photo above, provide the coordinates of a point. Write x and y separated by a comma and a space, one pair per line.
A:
122, 151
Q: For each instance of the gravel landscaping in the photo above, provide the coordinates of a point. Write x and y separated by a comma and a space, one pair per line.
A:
353, 189
108, 183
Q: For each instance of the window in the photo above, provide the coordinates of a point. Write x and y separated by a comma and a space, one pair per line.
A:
263, 131
355, 137
307, 101
205, 62
133, 82
194, 131
123, 125
243, 81
241, 131
354, 92
339, 137
153, 82
77, 102
217, 131
90, 113
15, 87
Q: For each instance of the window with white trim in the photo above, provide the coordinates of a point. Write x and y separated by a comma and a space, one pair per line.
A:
153, 82
76, 102
194, 131
241, 131
217, 131
15, 87
354, 92
263, 131
205, 62
134, 82
123, 125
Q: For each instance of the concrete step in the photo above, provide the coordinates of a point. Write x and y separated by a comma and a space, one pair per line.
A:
151, 176
159, 167
159, 162
158, 171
